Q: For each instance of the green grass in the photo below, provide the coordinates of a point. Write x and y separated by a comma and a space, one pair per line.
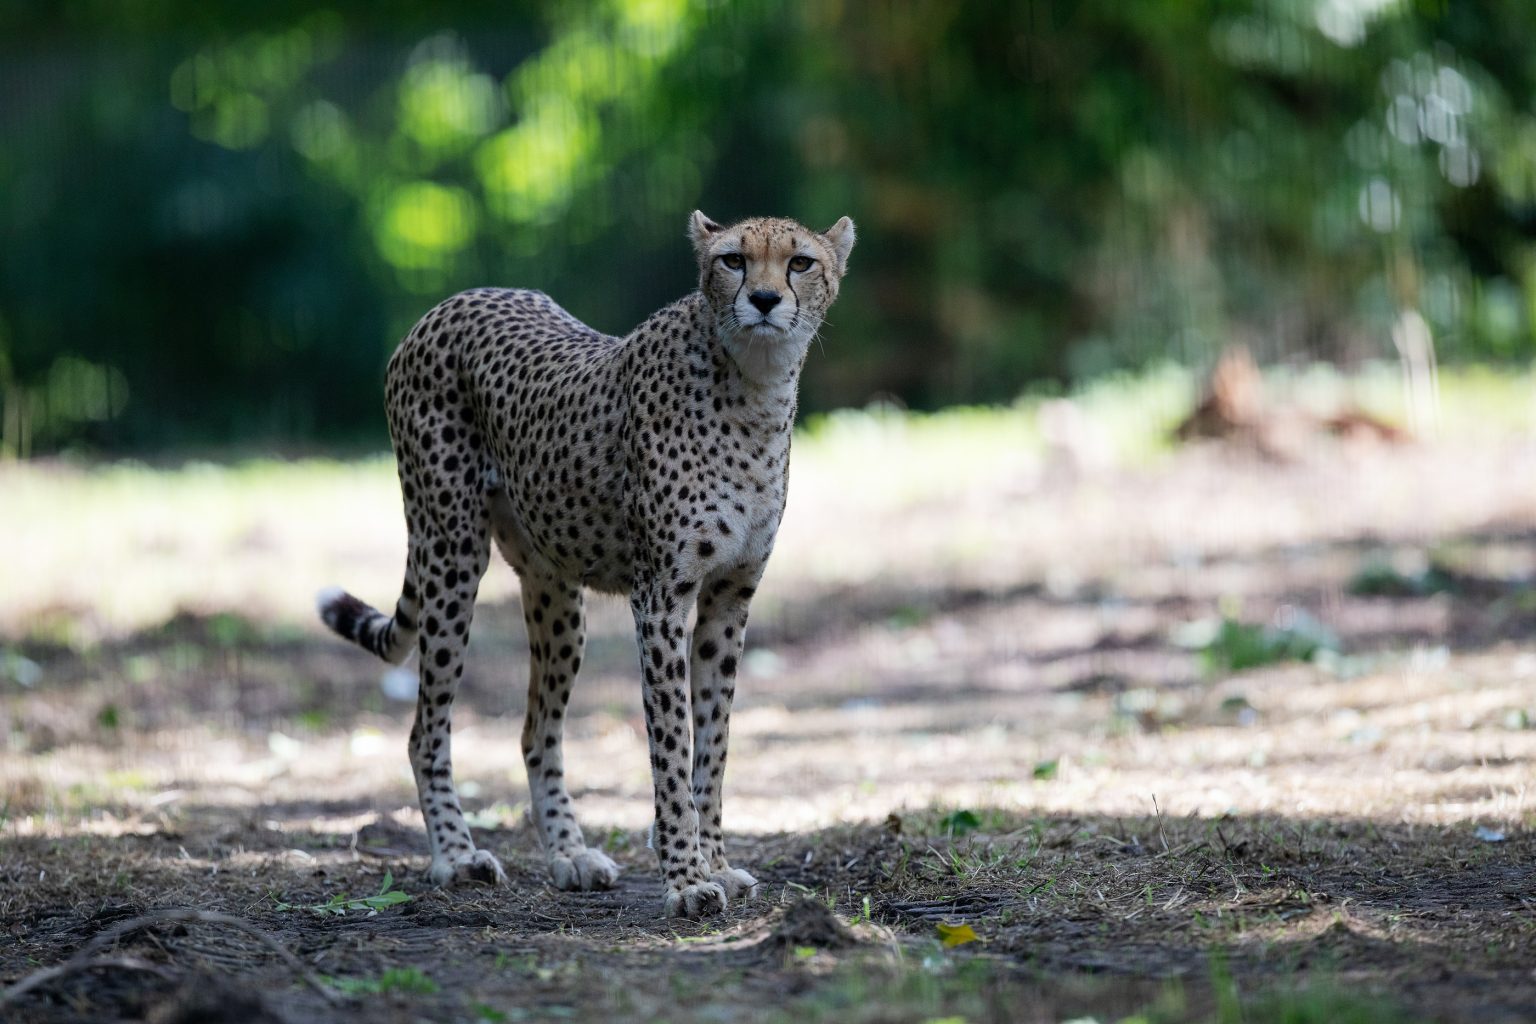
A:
403, 980
953, 985
1317, 1005
115, 547
1232, 645
1380, 578
341, 904
123, 545
1134, 414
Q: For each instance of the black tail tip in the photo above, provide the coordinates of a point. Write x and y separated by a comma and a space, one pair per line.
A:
340, 610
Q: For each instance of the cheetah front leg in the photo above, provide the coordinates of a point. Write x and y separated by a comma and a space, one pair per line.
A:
553, 612
661, 629
718, 638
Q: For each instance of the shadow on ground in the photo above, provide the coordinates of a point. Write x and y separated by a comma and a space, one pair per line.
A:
1124, 827
1072, 916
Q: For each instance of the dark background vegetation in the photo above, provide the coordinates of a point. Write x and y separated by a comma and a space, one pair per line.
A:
218, 218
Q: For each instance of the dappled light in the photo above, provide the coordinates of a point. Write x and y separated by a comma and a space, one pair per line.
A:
423, 225
445, 105
1294, 176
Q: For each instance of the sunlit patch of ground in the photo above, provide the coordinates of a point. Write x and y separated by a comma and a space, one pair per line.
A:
977, 694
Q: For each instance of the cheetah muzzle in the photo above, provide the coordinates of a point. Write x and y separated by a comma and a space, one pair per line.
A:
654, 466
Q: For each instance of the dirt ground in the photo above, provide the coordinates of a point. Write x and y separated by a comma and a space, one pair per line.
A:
1035, 742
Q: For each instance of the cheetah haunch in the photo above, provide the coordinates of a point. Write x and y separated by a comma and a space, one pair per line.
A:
654, 466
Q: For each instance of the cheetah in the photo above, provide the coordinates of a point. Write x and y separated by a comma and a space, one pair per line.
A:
654, 466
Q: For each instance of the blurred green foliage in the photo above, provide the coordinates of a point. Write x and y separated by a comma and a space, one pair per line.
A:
1234, 645
218, 218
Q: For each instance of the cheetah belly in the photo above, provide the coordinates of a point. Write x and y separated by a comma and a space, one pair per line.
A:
535, 551
563, 532
542, 387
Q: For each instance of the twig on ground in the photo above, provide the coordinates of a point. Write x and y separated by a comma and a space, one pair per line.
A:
83, 959
76, 965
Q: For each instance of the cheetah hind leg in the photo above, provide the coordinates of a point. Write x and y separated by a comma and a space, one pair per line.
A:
449, 568
554, 614
455, 859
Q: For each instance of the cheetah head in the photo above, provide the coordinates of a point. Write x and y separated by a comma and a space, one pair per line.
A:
769, 282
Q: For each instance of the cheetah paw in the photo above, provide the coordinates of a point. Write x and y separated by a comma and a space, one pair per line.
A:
695, 900
476, 866
583, 870
736, 883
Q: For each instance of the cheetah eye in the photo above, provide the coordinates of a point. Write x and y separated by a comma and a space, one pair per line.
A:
733, 260
800, 264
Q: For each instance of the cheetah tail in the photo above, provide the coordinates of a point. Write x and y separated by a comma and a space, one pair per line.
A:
390, 637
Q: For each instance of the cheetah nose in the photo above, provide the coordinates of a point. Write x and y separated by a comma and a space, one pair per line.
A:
764, 300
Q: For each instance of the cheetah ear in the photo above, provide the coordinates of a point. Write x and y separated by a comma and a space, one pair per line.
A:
841, 235
700, 228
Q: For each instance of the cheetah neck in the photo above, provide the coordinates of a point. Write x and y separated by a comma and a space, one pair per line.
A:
763, 374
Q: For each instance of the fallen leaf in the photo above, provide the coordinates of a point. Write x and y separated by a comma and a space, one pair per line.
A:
957, 934
960, 822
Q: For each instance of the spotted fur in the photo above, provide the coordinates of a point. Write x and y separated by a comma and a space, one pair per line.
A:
653, 466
